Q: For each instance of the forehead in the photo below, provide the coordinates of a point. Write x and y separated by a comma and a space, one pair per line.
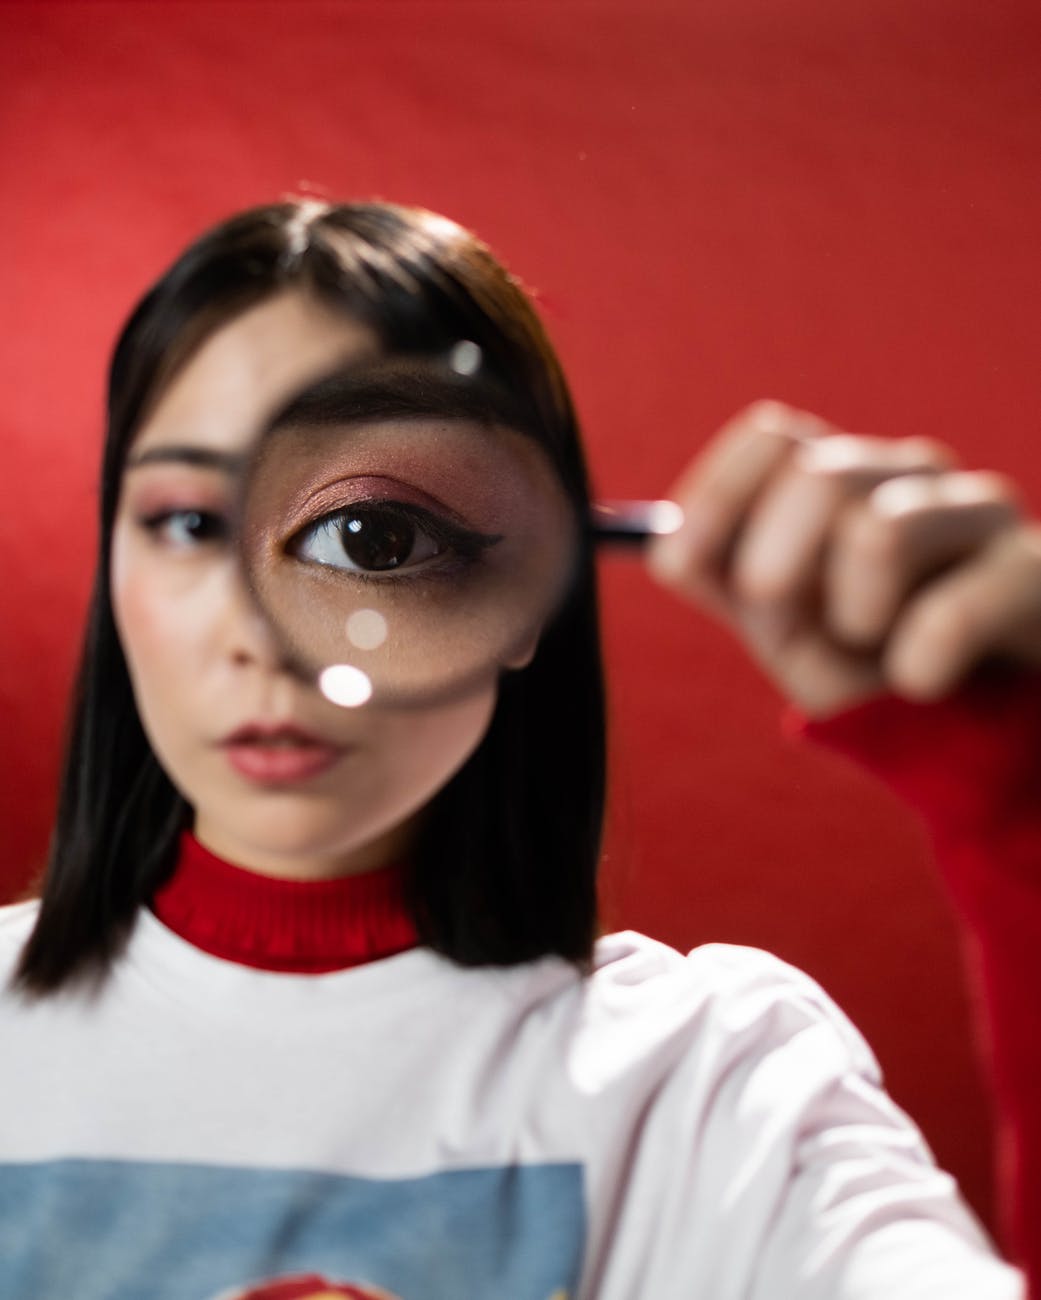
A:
248, 368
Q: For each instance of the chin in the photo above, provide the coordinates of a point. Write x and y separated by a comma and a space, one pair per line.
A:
274, 833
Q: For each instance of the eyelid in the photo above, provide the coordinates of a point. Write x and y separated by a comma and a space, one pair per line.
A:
463, 539
370, 490
155, 498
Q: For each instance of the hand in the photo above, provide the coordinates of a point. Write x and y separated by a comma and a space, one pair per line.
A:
851, 565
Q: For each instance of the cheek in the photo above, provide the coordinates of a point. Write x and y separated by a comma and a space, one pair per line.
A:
138, 616
430, 746
158, 630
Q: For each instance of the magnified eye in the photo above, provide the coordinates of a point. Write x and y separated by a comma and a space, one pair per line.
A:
385, 538
366, 538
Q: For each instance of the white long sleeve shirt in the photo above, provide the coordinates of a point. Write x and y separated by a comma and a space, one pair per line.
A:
708, 1127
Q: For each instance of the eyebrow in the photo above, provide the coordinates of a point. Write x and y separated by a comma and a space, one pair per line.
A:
186, 454
392, 391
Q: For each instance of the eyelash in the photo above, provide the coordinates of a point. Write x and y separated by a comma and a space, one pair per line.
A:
215, 526
459, 547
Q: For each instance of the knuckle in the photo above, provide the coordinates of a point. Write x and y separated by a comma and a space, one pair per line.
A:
875, 535
902, 495
829, 454
768, 416
914, 679
929, 451
943, 624
918, 662
993, 486
1029, 539
756, 586
767, 413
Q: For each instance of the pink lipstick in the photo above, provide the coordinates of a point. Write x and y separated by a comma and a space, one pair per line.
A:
280, 754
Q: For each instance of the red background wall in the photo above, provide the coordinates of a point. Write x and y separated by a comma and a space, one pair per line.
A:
833, 204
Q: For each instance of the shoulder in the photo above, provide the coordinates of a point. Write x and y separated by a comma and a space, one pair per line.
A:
731, 1093
632, 969
719, 1008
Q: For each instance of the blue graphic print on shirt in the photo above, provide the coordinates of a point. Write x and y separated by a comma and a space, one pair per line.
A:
120, 1230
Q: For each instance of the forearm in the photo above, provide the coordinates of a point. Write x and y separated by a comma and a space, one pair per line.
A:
969, 767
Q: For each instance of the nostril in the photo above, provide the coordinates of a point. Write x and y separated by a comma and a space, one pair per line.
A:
254, 645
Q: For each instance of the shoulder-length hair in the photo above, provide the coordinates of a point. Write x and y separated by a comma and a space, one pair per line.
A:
506, 867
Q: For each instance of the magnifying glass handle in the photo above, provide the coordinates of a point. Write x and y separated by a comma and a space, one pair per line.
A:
632, 523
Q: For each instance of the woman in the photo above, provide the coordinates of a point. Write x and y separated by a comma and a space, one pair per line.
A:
311, 1003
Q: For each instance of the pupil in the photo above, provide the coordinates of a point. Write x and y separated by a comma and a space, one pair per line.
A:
375, 542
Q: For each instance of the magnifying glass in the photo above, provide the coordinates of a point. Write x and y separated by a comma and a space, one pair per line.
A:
405, 533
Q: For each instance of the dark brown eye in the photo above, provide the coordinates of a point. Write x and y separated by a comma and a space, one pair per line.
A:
388, 538
375, 540
368, 539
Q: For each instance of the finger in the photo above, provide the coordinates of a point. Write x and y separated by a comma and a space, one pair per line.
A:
777, 560
819, 676
716, 489
992, 606
906, 530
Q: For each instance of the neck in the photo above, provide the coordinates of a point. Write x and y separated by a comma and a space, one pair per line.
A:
393, 846
303, 926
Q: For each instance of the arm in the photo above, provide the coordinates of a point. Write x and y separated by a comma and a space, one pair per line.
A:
982, 806
870, 578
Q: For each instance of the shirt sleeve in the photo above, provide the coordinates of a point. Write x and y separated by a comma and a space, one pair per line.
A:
969, 766
747, 1150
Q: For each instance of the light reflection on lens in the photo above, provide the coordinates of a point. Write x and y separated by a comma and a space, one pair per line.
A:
345, 685
367, 629
465, 358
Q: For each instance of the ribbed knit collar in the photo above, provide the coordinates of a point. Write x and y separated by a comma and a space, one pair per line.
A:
301, 926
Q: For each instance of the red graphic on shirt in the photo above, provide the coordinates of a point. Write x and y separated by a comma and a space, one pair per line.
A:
310, 1286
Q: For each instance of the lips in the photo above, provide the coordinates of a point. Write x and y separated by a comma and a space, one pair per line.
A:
279, 754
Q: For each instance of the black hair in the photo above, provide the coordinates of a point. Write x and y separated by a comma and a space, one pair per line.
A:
505, 870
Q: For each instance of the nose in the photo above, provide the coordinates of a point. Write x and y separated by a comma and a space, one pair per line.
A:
250, 640
256, 646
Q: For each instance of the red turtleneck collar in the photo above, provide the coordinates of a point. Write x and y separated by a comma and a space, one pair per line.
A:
301, 926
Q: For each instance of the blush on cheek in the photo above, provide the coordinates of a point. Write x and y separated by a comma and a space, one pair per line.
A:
137, 611
154, 627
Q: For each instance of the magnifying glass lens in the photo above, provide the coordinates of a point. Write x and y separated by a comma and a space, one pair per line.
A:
404, 531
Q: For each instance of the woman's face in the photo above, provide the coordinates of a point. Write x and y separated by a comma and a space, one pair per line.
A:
280, 779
